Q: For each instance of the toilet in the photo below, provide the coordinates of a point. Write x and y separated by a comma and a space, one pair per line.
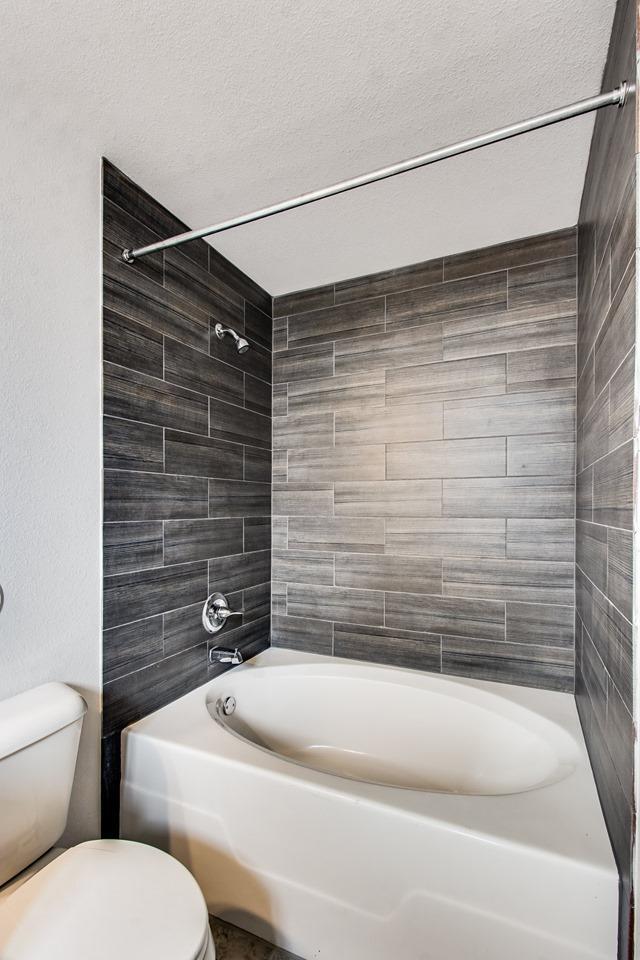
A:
99, 900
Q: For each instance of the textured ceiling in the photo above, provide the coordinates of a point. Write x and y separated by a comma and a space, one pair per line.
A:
220, 107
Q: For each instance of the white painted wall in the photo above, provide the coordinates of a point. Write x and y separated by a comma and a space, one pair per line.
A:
50, 396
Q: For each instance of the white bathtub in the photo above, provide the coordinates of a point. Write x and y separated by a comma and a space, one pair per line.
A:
355, 812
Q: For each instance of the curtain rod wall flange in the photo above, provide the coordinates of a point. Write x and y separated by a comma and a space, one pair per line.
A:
617, 97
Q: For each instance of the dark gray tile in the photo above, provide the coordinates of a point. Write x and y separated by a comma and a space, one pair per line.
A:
445, 615
257, 464
613, 636
130, 344
134, 396
591, 552
193, 282
446, 458
120, 230
404, 347
257, 533
552, 368
280, 333
239, 498
584, 495
621, 402
546, 282
128, 445
616, 337
257, 395
513, 413
621, 741
388, 498
422, 304
509, 663
255, 362
335, 603
451, 379
183, 629
298, 566
593, 431
514, 253
243, 570
613, 488
540, 624
131, 647
346, 534
280, 400
302, 499
278, 599
131, 546
256, 602
193, 455
446, 537
238, 425
303, 363
541, 455
390, 281
392, 573
593, 311
303, 431
533, 581
134, 596
237, 281
198, 371
188, 540
148, 496
421, 421
279, 533
586, 387
524, 328
620, 570
258, 326
340, 322
301, 300
298, 633
540, 540
623, 233
508, 497
398, 648
326, 464
337, 393
250, 638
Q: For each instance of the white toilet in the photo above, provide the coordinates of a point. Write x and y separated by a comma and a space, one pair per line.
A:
100, 900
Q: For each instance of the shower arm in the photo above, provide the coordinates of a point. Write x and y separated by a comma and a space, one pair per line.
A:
617, 97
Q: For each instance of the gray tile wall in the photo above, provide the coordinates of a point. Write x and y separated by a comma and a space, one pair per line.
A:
423, 465
187, 458
604, 526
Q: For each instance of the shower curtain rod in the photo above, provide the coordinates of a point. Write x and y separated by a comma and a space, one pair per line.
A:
617, 96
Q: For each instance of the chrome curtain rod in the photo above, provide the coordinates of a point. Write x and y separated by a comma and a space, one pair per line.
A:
617, 97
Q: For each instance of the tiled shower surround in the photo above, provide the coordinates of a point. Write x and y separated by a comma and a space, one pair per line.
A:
423, 465
187, 458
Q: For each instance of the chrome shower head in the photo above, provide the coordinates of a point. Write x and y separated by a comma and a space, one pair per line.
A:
242, 345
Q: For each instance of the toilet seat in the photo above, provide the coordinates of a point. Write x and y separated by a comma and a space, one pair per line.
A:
107, 900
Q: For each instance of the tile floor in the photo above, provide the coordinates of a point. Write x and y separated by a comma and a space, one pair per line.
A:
235, 944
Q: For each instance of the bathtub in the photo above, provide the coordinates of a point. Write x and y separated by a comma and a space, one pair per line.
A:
349, 811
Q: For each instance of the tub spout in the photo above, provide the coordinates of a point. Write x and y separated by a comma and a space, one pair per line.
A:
222, 655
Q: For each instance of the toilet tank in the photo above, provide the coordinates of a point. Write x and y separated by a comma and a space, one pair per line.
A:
39, 734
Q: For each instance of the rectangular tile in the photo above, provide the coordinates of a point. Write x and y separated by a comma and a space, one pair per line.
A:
421, 421
524, 328
238, 572
551, 368
120, 230
302, 499
509, 497
131, 546
279, 470
388, 498
446, 458
237, 281
336, 393
621, 402
193, 281
258, 326
254, 362
420, 305
278, 599
298, 633
593, 431
447, 537
390, 281
593, 310
312, 299
337, 533
445, 615
189, 540
256, 602
128, 445
130, 344
148, 496
198, 371
584, 494
131, 647
257, 533
546, 282
279, 533
326, 464
547, 455
535, 581
451, 379
250, 638
298, 430
183, 629
616, 336
298, 566
257, 464
540, 624
335, 603
513, 413
303, 363
280, 407
514, 253
134, 596
620, 570
197, 456
257, 395
404, 347
239, 498
238, 425
390, 573
509, 663
613, 488
540, 539
340, 322
591, 552
398, 648
134, 396
613, 635
623, 232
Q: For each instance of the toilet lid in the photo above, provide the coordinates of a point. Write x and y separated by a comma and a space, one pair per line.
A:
106, 900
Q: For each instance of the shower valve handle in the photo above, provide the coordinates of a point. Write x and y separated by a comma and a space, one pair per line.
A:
216, 612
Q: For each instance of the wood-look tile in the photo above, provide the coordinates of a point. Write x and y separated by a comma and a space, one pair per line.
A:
131, 647
257, 533
546, 282
446, 458
612, 634
194, 282
193, 455
584, 600
540, 539
541, 624
613, 488
335, 603
257, 464
280, 333
280, 400
448, 380
258, 326
515, 253
616, 337
298, 633
131, 344
420, 421
584, 494
303, 499
541, 455
297, 430
585, 393
197, 371
256, 602
183, 629
152, 496
391, 573
128, 445
621, 739
255, 362
445, 615
135, 396
533, 666
303, 363
403, 347
257, 395
388, 498
237, 281
551, 368
239, 498
189, 540
250, 638
535, 581
420, 305
238, 425
326, 464
299, 566
513, 413
620, 570
447, 537
593, 310
508, 497
340, 322
302, 300
591, 552
346, 534
623, 233
134, 596
279, 467
120, 230
238, 572
390, 281
524, 328
131, 546
398, 648
621, 388
336, 393
278, 599
593, 432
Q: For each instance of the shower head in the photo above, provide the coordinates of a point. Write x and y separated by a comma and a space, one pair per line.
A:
242, 345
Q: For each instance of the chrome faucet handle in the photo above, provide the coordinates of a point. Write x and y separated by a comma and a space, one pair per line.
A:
216, 612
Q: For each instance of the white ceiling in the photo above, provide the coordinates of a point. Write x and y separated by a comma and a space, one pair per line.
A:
221, 106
